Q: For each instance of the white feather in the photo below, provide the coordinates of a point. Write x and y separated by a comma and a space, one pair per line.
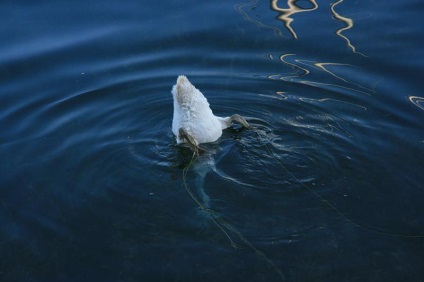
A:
192, 112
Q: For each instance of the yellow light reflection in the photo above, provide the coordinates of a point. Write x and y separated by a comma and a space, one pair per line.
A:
349, 25
299, 66
322, 66
286, 14
417, 101
282, 58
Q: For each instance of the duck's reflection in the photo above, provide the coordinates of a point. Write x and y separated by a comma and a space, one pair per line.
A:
201, 166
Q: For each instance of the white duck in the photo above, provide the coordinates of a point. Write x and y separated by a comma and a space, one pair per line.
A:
193, 122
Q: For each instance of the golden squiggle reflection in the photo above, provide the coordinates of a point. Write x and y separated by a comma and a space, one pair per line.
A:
282, 58
298, 69
286, 16
298, 64
321, 66
349, 25
417, 101
287, 13
239, 8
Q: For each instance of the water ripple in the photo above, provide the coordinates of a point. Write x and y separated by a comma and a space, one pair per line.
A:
48, 46
91, 173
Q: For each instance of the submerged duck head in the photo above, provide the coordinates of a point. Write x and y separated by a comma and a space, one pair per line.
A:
193, 122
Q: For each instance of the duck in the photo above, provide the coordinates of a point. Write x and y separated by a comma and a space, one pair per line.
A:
193, 121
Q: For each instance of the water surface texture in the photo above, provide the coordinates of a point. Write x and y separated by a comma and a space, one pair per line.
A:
328, 185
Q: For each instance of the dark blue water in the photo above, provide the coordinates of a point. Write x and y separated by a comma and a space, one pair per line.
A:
327, 186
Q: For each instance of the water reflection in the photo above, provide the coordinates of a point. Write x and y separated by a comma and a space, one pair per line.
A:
305, 67
322, 67
286, 16
417, 101
201, 166
287, 13
349, 25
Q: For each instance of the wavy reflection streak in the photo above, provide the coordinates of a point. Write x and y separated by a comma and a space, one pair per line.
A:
305, 71
322, 66
349, 25
417, 101
286, 14
296, 64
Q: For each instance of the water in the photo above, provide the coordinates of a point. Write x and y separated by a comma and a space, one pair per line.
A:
328, 186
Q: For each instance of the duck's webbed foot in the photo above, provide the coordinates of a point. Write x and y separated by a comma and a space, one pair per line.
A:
190, 141
238, 118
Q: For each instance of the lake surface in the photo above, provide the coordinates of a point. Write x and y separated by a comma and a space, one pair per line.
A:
328, 185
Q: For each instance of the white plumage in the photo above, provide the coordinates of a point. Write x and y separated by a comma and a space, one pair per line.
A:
193, 121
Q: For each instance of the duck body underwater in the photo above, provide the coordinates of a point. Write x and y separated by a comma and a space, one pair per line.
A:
193, 121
